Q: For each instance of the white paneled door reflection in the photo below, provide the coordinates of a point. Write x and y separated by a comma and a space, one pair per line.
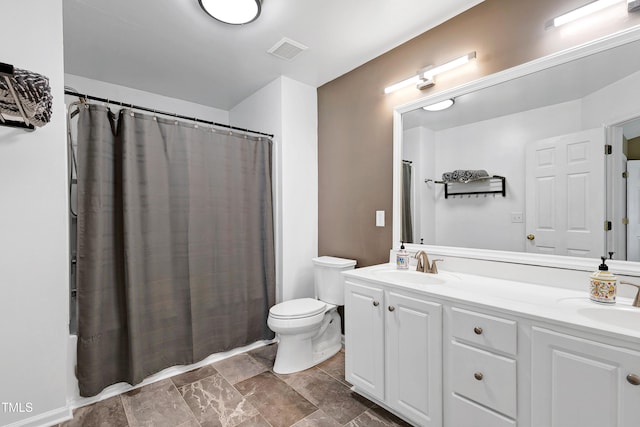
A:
633, 210
565, 206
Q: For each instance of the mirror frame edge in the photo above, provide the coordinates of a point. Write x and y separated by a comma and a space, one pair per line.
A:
557, 261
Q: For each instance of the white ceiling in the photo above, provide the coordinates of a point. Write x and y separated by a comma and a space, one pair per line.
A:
174, 49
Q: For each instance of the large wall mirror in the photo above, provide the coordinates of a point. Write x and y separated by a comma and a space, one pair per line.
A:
541, 129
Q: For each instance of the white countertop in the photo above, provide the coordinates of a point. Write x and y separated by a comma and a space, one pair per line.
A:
570, 307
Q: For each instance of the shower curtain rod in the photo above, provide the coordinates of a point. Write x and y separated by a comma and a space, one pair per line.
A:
164, 113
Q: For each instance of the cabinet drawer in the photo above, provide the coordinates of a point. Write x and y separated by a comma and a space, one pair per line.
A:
465, 413
484, 377
484, 330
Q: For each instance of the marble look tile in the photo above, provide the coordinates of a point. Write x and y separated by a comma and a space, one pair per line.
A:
279, 404
328, 394
193, 376
216, 403
388, 417
317, 419
367, 419
377, 417
265, 355
239, 368
335, 367
107, 413
157, 405
190, 423
257, 421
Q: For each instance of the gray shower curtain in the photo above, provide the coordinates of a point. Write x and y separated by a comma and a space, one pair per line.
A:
175, 244
406, 226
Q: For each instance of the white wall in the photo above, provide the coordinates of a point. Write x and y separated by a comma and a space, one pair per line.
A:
288, 109
612, 104
145, 99
33, 228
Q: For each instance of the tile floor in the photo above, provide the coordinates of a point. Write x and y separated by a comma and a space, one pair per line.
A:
241, 391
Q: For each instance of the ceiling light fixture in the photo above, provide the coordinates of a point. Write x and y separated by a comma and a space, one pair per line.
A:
580, 12
234, 12
425, 77
439, 106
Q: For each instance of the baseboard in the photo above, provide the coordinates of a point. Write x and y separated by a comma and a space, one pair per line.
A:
47, 419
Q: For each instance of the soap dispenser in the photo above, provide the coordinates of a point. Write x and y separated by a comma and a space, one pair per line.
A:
402, 258
603, 285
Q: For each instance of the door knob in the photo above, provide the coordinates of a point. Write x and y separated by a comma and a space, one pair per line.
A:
478, 376
391, 308
530, 236
477, 330
633, 379
376, 303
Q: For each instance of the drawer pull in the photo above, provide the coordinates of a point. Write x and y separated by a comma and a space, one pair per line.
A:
633, 379
391, 308
376, 303
478, 376
477, 330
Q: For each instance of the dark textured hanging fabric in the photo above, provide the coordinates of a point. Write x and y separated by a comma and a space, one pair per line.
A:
176, 253
33, 93
406, 209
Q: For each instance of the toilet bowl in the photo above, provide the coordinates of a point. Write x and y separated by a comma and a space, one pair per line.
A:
308, 329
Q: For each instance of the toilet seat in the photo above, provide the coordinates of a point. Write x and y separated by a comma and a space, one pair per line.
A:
297, 309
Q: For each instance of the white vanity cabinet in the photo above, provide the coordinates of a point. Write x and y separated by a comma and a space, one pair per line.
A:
578, 382
481, 369
394, 350
481, 352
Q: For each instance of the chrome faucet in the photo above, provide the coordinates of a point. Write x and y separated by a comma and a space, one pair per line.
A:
636, 301
423, 263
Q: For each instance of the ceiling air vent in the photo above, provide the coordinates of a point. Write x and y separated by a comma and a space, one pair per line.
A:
287, 49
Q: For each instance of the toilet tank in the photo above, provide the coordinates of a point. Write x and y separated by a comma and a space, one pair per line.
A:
328, 279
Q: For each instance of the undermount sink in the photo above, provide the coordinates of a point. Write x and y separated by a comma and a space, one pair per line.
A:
624, 317
411, 276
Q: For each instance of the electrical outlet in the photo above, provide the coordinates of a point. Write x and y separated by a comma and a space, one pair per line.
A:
517, 217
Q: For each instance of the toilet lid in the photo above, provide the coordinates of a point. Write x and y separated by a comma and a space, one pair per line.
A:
297, 308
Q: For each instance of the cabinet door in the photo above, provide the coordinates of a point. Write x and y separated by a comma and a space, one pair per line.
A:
414, 358
582, 383
364, 338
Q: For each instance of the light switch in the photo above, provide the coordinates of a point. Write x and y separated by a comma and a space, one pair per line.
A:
379, 218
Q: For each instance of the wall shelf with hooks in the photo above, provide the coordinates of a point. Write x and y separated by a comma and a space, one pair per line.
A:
495, 184
25, 96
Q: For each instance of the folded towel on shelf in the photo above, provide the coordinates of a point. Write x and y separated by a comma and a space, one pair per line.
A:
34, 95
464, 175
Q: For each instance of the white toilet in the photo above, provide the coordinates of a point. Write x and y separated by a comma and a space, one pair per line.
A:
309, 329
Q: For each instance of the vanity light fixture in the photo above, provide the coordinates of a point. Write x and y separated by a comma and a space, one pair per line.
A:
234, 12
581, 12
408, 82
425, 77
439, 106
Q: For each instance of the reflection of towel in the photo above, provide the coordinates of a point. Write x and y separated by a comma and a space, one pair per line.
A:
464, 175
34, 94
